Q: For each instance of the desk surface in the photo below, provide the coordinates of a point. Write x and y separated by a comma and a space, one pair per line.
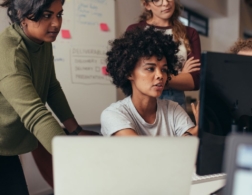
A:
206, 188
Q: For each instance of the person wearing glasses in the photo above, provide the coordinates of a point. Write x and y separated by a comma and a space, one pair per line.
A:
164, 15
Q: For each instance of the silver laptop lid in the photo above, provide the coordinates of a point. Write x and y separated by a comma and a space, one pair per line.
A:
123, 165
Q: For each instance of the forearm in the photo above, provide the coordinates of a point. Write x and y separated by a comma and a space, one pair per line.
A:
71, 125
182, 82
21, 95
193, 131
58, 103
125, 132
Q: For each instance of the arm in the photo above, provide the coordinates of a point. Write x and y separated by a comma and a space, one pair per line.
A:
183, 82
194, 130
125, 132
189, 80
116, 122
194, 40
19, 91
181, 121
71, 125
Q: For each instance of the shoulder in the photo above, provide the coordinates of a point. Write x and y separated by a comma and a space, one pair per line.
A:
191, 32
10, 39
136, 25
119, 107
13, 52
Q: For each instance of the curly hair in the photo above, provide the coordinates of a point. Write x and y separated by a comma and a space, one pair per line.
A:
178, 28
133, 45
241, 45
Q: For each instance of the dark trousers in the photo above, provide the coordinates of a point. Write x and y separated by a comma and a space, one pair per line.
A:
12, 180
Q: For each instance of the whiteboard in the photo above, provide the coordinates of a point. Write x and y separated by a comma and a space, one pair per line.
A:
79, 57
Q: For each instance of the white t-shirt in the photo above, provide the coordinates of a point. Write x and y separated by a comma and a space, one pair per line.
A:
171, 119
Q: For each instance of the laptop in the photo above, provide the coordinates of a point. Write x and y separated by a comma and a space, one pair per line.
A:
123, 165
238, 164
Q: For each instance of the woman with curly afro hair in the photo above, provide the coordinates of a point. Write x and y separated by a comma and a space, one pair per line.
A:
164, 15
140, 63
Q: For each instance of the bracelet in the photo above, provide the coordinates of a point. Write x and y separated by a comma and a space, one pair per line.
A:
76, 131
187, 133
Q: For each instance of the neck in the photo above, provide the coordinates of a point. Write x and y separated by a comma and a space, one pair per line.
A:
158, 22
145, 106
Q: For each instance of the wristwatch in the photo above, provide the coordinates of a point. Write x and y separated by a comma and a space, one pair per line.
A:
76, 131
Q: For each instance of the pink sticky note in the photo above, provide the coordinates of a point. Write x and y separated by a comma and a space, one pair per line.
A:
104, 27
104, 70
65, 34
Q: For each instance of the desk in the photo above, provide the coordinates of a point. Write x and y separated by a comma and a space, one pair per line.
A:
205, 188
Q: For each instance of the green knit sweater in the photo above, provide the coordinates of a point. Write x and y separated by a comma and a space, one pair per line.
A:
27, 82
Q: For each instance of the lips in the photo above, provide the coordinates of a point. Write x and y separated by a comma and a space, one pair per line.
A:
167, 10
159, 85
53, 32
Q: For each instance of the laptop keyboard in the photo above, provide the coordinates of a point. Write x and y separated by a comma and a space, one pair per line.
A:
205, 178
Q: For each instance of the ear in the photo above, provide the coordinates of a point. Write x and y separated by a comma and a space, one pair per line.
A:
130, 77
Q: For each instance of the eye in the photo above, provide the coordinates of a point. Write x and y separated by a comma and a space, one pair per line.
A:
47, 15
60, 15
165, 70
150, 69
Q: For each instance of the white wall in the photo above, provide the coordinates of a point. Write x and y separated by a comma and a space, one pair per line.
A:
226, 30
127, 12
245, 19
209, 8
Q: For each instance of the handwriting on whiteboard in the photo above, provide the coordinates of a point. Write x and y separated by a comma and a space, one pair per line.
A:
87, 65
90, 12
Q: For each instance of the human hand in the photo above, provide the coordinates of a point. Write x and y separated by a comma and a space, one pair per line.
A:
191, 65
85, 132
195, 110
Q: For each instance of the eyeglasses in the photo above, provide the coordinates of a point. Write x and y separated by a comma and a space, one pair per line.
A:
160, 2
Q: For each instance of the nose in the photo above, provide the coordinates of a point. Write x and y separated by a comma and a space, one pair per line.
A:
165, 2
159, 74
56, 22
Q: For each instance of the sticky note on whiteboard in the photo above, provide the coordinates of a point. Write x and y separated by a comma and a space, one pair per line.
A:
65, 34
104, 70
104, 27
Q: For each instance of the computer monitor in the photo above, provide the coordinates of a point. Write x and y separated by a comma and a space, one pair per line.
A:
225, 105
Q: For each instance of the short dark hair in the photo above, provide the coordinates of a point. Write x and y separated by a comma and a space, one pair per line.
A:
17, 10
127, 50
241, 45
